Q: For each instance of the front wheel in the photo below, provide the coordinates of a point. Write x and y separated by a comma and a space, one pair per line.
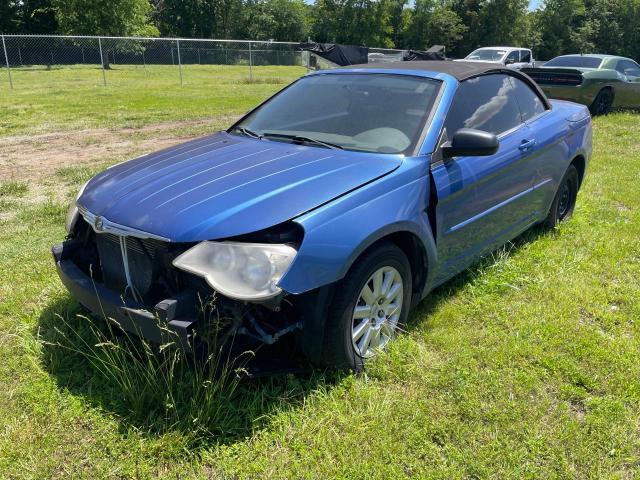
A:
565, 199
602, 103
370, 305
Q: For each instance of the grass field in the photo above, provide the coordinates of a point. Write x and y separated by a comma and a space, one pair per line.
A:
66, 98
525, 366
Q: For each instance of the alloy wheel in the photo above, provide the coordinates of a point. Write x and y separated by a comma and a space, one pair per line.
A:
377, 311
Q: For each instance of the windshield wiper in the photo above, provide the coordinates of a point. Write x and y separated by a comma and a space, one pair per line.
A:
246, 132
302, 139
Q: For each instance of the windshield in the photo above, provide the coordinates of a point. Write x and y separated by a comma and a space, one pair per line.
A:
487, 54
574, 61
369, 112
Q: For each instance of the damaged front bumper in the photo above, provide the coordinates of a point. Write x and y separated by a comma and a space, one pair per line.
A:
168, 322
178, 319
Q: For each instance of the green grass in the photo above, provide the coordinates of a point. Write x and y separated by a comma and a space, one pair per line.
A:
13, 189
525, 366
71, 98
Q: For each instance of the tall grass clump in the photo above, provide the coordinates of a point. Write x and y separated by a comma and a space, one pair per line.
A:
155, 388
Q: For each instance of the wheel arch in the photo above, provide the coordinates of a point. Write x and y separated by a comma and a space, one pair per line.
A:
315, 303
610, 87
581, 164
419, 255
601, 88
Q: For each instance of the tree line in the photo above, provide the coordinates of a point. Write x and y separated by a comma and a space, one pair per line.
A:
556, 27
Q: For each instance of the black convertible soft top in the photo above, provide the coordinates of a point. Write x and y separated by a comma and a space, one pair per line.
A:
460, 70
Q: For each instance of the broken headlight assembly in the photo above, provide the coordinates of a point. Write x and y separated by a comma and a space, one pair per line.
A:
242, 271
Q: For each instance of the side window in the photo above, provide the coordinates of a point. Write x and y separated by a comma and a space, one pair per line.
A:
628, 67
486, 103
528, 100
525, 56
513, 57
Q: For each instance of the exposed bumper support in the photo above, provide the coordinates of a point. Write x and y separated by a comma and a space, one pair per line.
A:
163, 325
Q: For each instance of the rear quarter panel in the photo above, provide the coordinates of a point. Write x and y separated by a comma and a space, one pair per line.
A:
585, 94
562, 135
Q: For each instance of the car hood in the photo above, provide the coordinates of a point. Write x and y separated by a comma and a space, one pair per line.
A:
225, 185
478, 61
572, 69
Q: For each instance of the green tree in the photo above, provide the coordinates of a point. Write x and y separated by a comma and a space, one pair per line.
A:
176, 18
105, 17
559, 23
9, 16
610, 26
283, 20
504, 22
396, 19
433, 23
27, 16
38, 16
360, 22
491, 22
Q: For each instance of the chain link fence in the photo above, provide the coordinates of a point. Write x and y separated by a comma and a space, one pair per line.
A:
112, 61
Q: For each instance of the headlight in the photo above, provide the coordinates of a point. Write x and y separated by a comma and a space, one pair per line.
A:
244, 271
72, 213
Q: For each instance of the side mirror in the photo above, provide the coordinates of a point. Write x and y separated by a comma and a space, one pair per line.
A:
468, 142
509, 61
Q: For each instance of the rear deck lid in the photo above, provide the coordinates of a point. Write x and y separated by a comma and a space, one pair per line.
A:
555, 76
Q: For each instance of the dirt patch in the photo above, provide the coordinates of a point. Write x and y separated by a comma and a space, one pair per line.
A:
36, 157
621, 207
578, 410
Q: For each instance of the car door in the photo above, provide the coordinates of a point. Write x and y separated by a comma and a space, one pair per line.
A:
512, 59
628, 94
546, 155
482, 201
525, 59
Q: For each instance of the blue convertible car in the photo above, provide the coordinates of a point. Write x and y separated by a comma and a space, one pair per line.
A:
327, 212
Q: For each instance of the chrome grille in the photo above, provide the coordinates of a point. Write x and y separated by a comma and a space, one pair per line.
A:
142, 263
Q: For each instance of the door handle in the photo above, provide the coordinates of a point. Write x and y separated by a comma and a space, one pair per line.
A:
526, 145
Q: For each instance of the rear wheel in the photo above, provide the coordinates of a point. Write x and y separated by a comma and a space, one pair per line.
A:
371, 304
602, 103
565, 199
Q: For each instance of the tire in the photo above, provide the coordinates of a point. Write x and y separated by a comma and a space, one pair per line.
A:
602, 103
346, 337
565, 200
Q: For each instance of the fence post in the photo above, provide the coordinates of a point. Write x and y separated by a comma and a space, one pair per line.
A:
104, 77
6, 59
250, 64
179, 61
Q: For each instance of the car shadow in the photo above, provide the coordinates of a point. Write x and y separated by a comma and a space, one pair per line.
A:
148, 395
443, 292
156, 392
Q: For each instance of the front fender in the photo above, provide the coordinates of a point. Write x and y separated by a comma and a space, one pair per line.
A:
336, 234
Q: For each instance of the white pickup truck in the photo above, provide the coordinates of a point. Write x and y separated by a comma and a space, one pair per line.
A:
512, 57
